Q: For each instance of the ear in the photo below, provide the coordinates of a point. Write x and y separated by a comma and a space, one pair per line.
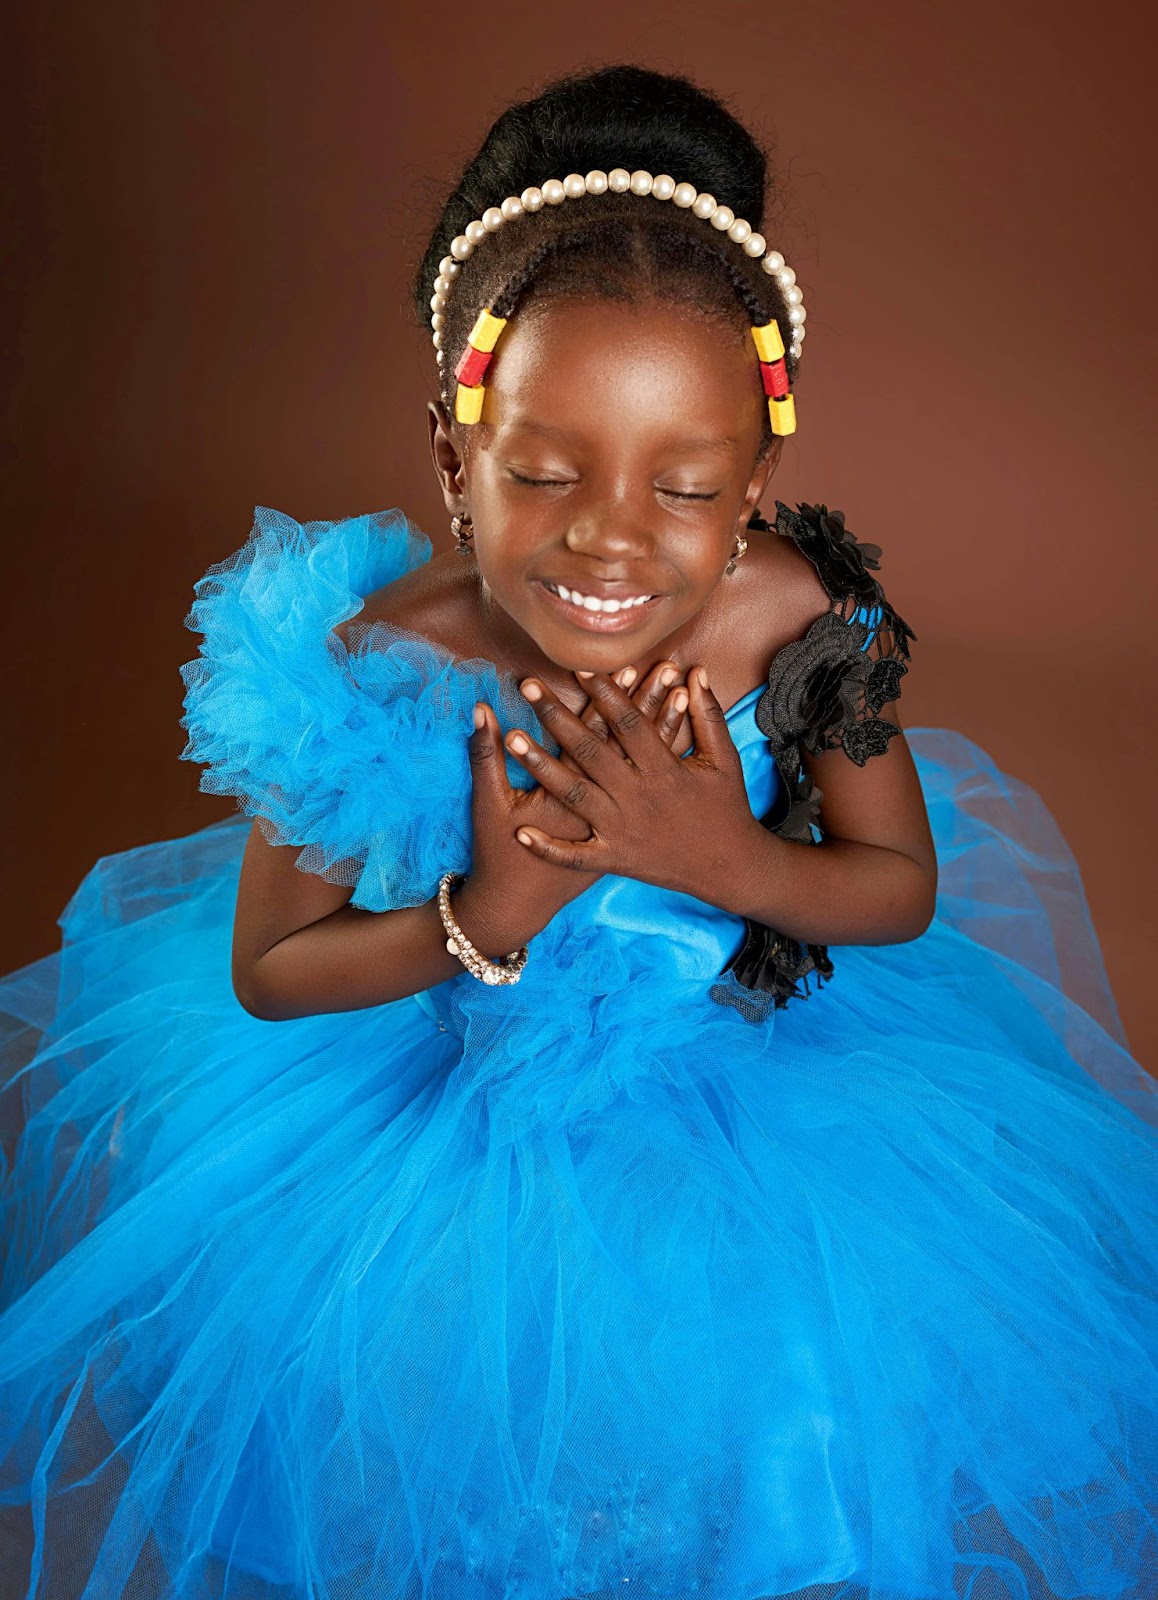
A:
766, 464
448, 463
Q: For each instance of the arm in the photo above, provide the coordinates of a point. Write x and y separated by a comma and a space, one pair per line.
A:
300, 947
871, 880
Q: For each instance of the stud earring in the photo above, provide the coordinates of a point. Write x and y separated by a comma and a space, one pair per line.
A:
737, 554
463, 530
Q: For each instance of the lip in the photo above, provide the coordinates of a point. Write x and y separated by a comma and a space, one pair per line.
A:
600, 621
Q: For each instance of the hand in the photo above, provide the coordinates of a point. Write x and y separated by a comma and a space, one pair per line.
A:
510, 894
653, 816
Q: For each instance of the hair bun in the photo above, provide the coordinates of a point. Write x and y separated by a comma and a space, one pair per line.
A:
626, 116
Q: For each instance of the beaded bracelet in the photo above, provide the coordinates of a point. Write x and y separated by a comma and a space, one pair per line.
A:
480, 346
508, 970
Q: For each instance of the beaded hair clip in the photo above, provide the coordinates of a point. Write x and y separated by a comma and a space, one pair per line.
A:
476, 358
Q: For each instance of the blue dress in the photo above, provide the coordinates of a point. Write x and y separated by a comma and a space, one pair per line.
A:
592, 1285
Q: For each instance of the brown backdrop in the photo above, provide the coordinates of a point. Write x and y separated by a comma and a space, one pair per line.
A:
216, 208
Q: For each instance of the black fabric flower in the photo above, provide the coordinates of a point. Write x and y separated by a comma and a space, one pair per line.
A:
814, 683
868, 738
883, 683
845, 566
825, 692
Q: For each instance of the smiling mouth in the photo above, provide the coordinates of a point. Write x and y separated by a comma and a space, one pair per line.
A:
592, 612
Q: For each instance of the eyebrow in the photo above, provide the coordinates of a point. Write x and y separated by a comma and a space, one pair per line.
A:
722, 446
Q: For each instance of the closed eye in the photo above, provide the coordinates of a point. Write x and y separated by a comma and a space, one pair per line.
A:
680, 494
542, 483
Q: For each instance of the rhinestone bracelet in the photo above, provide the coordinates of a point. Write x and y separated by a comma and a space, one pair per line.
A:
508, 970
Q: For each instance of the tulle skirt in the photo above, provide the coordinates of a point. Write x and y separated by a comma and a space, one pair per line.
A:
858, 1302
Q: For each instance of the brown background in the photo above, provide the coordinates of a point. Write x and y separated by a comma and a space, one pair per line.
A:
216, 209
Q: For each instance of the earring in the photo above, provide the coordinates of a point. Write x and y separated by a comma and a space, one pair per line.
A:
737, 554
463, 530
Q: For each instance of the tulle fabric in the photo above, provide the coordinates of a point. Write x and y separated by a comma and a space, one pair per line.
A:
594, 1285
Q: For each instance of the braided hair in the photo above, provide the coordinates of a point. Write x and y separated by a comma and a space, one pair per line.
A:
614, 246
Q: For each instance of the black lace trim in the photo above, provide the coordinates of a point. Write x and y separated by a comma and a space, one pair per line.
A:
825, 692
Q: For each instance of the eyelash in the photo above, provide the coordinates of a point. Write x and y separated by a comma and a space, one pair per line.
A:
561, 483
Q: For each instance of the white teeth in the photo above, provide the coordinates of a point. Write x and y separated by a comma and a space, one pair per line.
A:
590, 602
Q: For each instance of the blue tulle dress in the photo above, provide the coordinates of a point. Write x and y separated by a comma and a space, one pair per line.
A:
590, 1286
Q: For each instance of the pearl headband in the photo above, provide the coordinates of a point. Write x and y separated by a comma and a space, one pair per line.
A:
476, 356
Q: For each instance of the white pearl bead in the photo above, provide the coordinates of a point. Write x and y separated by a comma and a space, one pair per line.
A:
439, 356
448, 266
786, 277
442, 286
475, 232
772, 262
436, 340
755, 245
619, 180
798, 333
641, 182
662, 187
703, 206
796, 315
437, 303
574, 187
793, 296
492, 219
595, 182
740, 231
461, 248
684, 195
532, 199
437, 320
553, 192
512, 207
722, 218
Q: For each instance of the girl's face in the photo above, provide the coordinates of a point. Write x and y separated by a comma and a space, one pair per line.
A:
616, 461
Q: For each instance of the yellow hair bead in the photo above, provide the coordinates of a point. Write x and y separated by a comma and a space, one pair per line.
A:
782, 415
468, 403
769, 344
485, 333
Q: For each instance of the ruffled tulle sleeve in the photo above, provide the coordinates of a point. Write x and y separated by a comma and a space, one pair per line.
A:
357, 756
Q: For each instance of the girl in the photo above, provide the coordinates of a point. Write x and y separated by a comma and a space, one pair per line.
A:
530, 1205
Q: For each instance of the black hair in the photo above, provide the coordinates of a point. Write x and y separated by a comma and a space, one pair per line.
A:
610, 246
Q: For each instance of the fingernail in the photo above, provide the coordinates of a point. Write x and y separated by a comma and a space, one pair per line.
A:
703, 672
627, 677
668, 676
531, 690
679, 700
518, 744
479, 718
523, 838
584, 674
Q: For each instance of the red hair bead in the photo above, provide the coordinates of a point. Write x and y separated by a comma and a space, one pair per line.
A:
775, 376
471, 366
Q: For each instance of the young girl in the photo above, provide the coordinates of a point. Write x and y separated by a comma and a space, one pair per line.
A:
536, 1208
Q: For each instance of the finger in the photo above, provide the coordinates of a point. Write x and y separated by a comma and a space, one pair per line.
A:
576, 790
627, 723
593, 754
710, 732
581, 856
671, 718
654, 690
593, 717
488, 768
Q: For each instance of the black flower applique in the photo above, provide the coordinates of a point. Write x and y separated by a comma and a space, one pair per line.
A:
825, 692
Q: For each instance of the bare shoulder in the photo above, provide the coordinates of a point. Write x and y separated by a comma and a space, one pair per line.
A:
772, 599
438, 601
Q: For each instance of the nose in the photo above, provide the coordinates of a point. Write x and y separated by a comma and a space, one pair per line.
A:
611, 532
